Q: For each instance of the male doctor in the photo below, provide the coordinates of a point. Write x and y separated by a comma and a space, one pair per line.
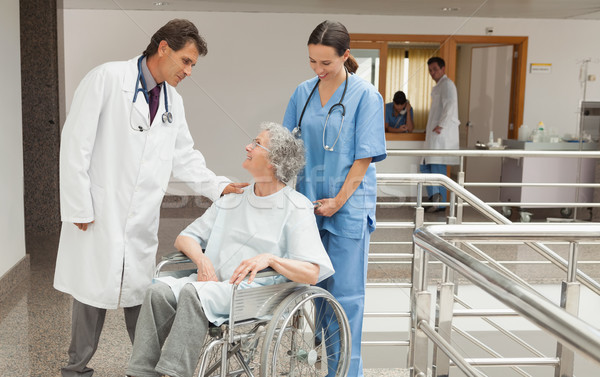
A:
441, 131
125, 135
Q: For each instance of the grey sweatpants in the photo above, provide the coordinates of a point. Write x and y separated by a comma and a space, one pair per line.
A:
86, 327
169, 334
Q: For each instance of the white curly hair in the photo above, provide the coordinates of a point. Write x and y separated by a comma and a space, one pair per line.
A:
287, 152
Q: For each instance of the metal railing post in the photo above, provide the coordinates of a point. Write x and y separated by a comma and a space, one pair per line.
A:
420, 357
443, 326
419, 283
419, 211
569, 300
461, 181
416, 273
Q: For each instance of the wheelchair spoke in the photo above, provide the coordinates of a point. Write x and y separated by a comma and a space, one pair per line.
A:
307, 336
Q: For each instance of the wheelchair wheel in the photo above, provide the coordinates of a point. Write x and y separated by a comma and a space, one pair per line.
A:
309, 335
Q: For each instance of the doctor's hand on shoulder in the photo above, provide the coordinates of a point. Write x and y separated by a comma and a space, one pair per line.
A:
235, 188
83, 226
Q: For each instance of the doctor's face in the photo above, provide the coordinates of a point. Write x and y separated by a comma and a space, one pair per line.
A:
325, 61
174, 66
436, 72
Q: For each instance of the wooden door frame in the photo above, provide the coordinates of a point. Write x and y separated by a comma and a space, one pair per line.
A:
383, 51
448, 45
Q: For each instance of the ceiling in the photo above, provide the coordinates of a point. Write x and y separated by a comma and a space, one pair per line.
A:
550, 9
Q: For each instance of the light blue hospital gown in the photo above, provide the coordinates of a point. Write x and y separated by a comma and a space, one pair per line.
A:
239, 227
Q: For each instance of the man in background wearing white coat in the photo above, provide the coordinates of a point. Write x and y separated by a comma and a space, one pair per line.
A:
125, 135
442, 128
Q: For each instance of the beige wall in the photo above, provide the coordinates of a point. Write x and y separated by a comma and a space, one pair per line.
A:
255, 60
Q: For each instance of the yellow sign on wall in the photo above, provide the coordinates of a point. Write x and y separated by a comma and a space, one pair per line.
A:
540, 68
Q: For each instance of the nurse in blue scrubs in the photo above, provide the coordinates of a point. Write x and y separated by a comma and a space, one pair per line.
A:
339, 116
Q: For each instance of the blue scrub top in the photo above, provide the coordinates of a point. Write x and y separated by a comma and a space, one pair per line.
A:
362, 136
391, 120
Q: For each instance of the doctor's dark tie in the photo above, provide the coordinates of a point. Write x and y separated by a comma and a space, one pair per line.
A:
154, 99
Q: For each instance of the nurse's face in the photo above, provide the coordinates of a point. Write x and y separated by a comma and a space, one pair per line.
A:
257, 158
174, 66
325, 61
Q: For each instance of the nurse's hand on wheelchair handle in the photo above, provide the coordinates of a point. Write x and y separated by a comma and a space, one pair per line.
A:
326, 207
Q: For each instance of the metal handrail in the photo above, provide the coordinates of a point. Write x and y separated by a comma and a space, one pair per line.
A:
491, 153
566, 327
487, 211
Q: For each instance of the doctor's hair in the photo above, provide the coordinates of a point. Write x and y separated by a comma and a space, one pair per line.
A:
287, 152
436, 59
334, 34
177, 33
399, 98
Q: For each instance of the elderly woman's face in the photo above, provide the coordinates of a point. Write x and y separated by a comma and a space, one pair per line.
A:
257, 156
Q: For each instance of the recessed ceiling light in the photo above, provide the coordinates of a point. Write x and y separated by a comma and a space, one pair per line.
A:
448, 9
160, 3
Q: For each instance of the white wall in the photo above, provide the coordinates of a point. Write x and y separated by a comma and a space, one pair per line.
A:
12, 223
255, 60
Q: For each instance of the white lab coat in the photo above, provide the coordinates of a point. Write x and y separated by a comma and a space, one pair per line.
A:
117, 177
443, 113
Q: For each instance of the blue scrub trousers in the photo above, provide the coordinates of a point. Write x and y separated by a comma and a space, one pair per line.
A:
349, 258
435, 169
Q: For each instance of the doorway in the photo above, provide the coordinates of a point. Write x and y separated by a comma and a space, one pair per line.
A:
488, 80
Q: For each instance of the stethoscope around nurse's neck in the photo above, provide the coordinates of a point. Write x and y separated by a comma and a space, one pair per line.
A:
297, 131
167, 115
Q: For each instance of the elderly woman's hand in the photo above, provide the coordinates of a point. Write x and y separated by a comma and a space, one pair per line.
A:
327, 207
206, 270
250, 266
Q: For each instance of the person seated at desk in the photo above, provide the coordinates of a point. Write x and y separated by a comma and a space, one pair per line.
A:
399, 114
269, 225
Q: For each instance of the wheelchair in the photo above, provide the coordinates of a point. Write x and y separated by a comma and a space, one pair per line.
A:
274, 330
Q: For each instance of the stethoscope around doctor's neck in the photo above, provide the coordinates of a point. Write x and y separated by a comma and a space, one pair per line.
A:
297, 131
167, 115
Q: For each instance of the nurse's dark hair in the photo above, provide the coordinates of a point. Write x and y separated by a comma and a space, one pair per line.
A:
177, 33
334, 34
286, 152
440, 62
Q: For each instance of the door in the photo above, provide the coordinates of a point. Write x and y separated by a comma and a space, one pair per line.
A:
489, 106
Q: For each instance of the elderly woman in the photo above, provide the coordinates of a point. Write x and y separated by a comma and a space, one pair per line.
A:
269, 225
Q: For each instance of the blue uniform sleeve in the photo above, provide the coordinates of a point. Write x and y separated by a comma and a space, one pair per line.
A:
290, 117
370, 128
388, 114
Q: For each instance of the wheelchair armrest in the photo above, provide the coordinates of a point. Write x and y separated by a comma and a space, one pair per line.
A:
266, 273
176, 257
